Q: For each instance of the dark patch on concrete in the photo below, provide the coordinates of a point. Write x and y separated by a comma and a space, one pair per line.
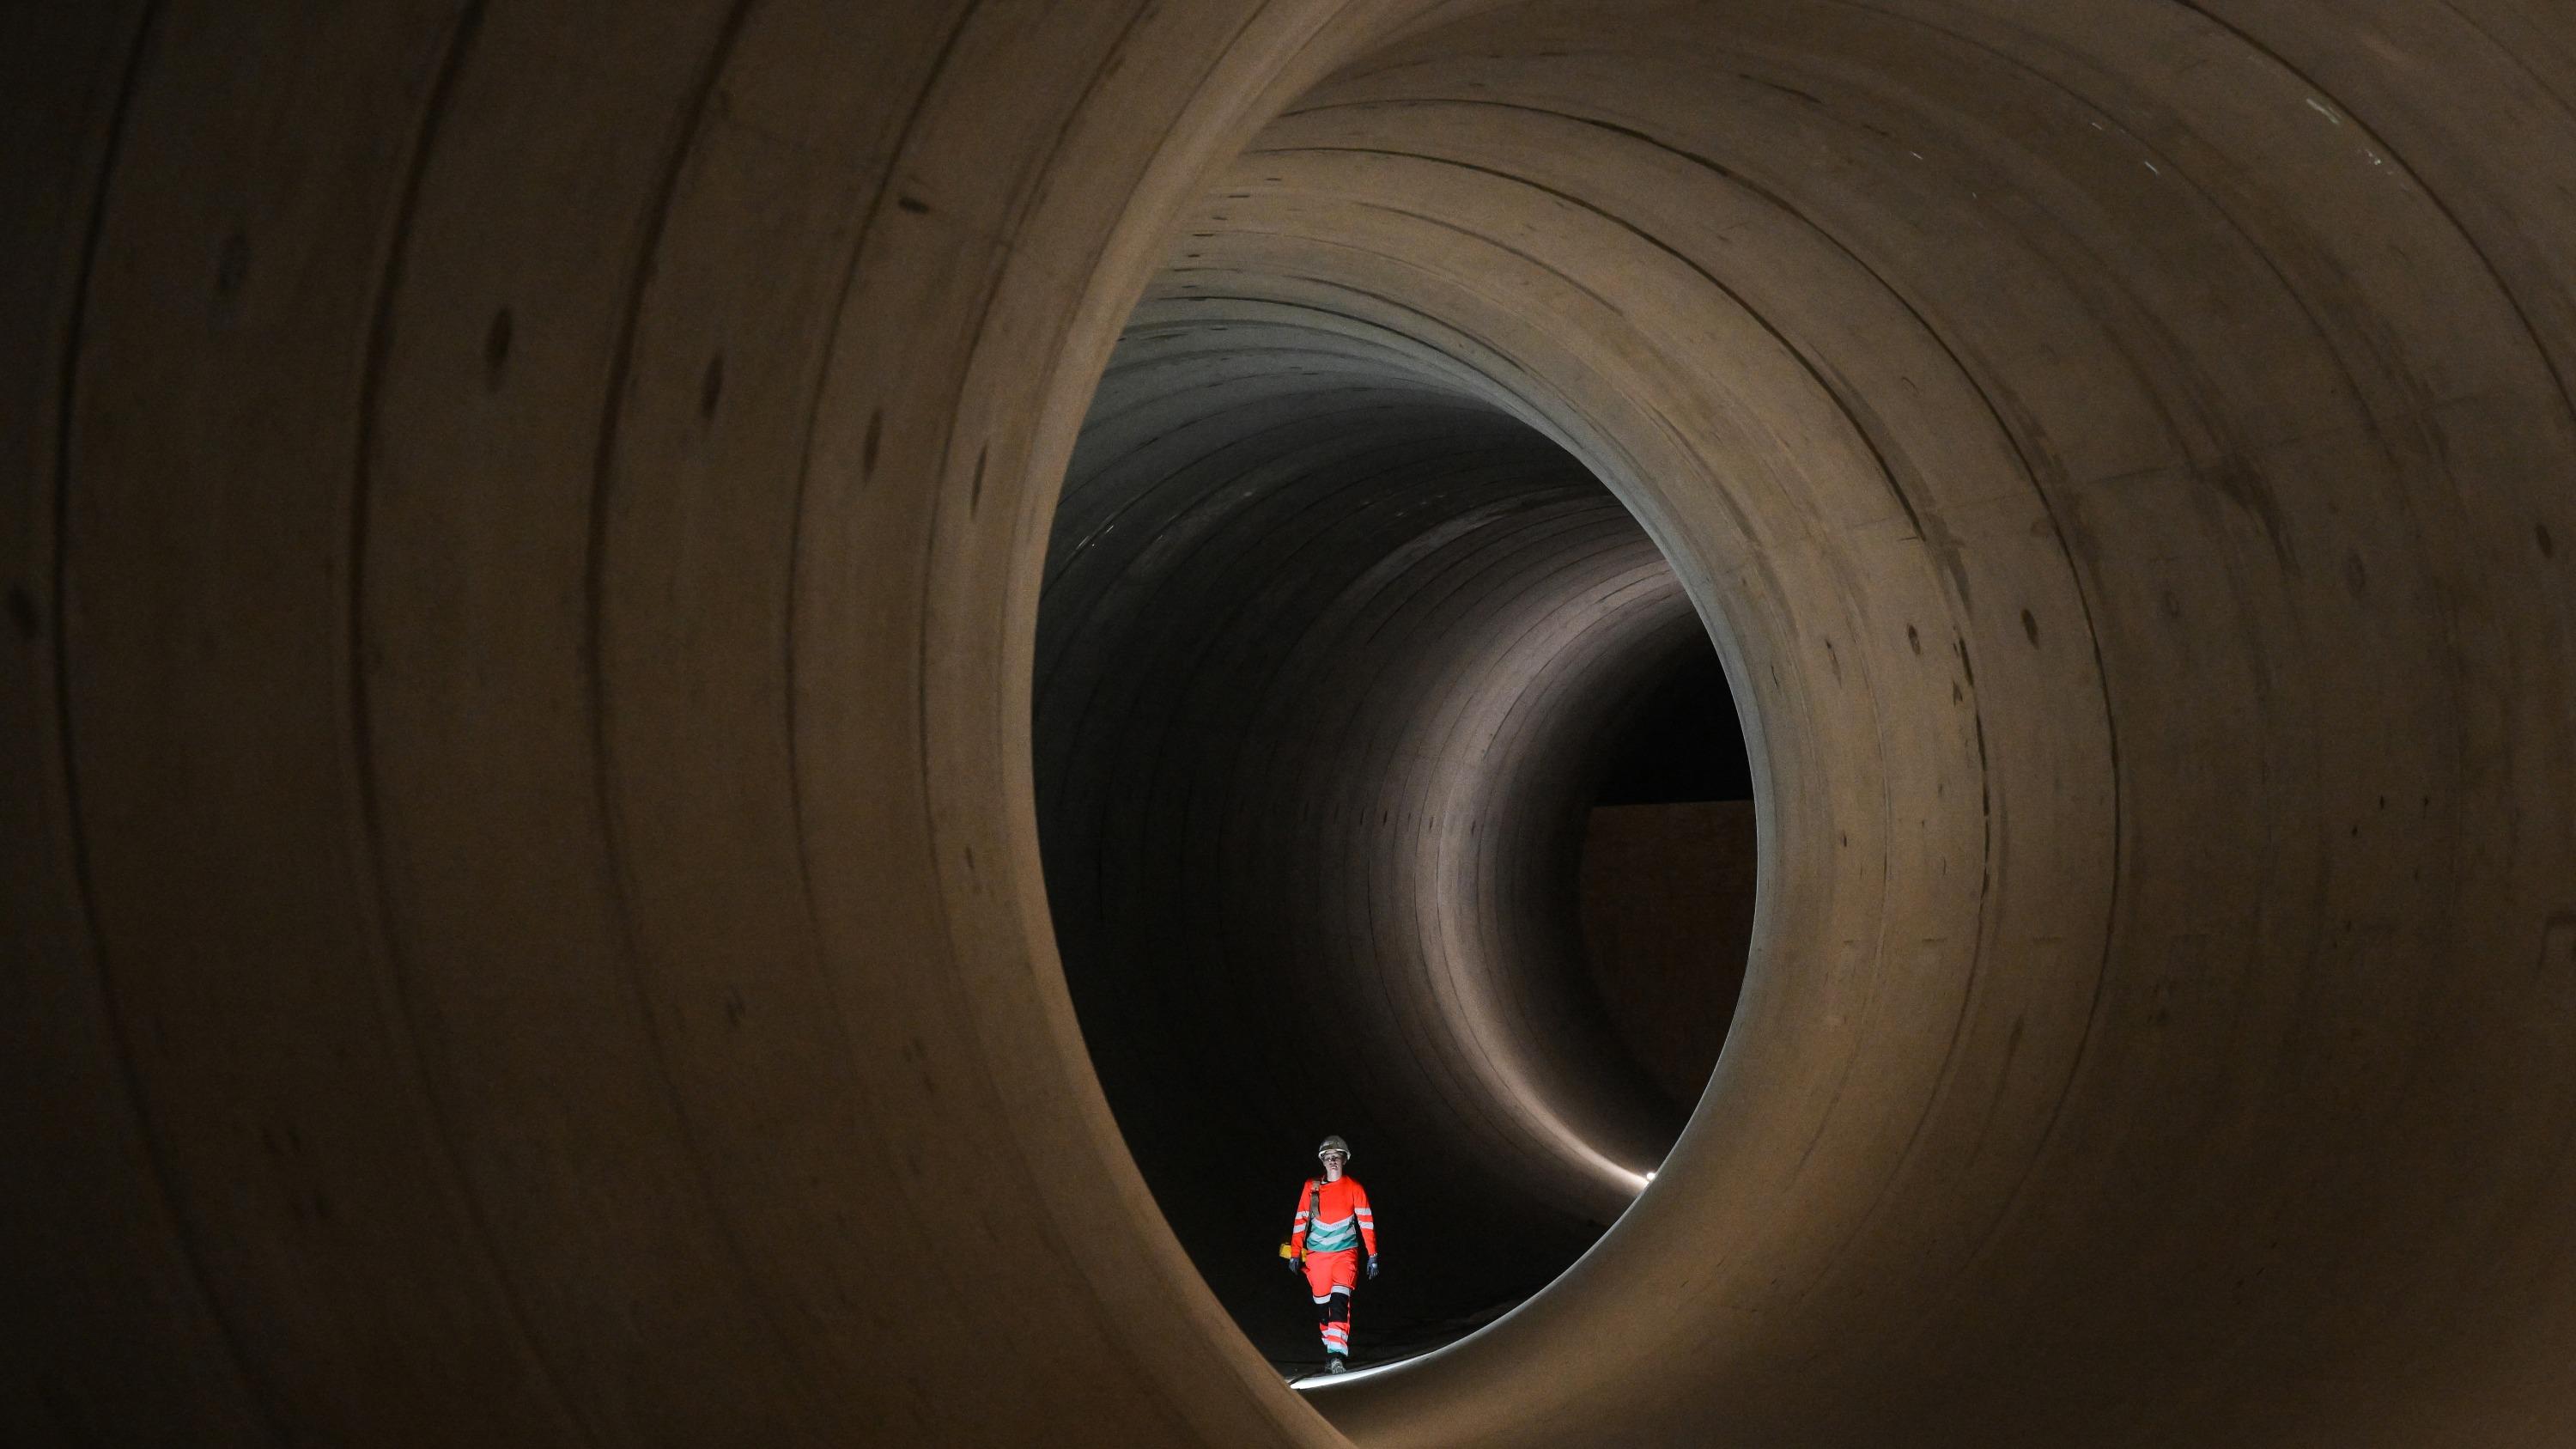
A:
975, 490
1834, 660
2243, 485
1896, 471
1913, 640
1786, 90
2355, 577
868, 445
2540, 535
2558, 953
2030, 626
913, 204
496, 349
735, 1008
232, 269
711, 387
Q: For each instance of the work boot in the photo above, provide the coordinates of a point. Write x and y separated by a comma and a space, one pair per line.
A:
1335, 1363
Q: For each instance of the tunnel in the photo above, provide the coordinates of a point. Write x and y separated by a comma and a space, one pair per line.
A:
1337, 663
716, 707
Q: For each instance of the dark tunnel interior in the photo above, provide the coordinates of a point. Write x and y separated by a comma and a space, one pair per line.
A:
1683, 744
1336, 658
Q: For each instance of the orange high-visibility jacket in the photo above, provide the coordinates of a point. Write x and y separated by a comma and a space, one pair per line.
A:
1340, 1218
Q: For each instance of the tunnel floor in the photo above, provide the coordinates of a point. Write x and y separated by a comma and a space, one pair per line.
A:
1293, 1352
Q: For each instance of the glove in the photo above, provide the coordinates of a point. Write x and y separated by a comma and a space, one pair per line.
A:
1297, 1266
1372, 1265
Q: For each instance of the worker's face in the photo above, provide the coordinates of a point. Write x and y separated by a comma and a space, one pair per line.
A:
1333, 1166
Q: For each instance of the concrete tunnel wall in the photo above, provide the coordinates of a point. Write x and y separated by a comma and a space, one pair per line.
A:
525, 920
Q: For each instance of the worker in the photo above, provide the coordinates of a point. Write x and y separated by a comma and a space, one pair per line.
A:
1333, 1228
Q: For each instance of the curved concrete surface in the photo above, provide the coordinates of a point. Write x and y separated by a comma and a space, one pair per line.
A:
525, 918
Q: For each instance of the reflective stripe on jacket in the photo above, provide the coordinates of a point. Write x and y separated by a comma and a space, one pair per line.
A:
1340, 1218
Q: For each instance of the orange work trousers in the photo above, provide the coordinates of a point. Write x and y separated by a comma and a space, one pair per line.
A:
1331, 1278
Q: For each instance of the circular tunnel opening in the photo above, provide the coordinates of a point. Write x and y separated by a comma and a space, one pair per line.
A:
1388, 786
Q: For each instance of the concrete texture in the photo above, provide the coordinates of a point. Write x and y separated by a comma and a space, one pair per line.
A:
1667, 901
523, 536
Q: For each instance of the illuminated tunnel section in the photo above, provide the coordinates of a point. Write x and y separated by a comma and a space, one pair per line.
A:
525, 593
1335, 657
